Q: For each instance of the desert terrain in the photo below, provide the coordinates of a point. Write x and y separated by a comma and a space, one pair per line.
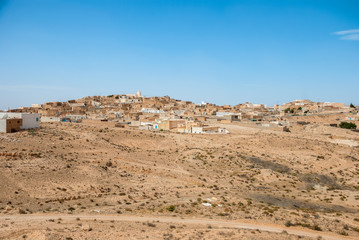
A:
91, 180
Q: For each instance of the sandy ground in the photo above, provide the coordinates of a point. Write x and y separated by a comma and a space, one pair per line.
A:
230, 228
304, 180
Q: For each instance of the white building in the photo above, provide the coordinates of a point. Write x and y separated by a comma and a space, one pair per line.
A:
77, 104
209, 129
223, 130
29, 120
76, 117
50, 119
197, 130
148, 127
222, 114
351, 118
150, 110
36, 105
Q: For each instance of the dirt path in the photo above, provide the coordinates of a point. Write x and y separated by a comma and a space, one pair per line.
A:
213, 223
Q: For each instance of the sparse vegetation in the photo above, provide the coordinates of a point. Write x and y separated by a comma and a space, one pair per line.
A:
348, 125
304, 179
171, 208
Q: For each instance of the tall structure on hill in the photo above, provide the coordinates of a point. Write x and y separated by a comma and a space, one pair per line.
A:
139, 93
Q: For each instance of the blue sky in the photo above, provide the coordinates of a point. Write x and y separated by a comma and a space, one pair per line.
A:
225, 52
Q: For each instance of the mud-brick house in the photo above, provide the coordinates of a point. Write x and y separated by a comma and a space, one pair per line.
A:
8, 125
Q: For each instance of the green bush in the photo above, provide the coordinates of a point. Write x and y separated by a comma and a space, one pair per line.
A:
71, 209
171, 208
347, 125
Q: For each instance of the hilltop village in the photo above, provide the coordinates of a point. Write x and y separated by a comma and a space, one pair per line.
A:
135, 167
167, 114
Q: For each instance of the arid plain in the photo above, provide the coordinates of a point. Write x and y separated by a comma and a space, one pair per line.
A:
91, 180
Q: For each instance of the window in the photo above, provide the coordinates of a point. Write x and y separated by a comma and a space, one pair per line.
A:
37, 119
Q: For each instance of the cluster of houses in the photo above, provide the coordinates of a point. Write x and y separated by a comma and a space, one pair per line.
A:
160, 113
173, 125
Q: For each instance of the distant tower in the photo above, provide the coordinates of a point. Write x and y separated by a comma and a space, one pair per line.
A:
139, 93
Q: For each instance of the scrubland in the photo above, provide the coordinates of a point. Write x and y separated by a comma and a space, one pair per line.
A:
304, 180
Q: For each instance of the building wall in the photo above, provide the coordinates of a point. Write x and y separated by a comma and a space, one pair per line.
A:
222, 114
165, 125
135, 123
29, 120
174, 124
76, 117
170, 124
145, 127
13, 124
49, 112
210, 129
4, 114
197, 129
206, 129
50, 119
3, 125
10, 125
36, 105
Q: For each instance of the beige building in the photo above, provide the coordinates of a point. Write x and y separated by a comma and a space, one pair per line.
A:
171, 124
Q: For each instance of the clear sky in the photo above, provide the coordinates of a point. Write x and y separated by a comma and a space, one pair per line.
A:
225, 52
